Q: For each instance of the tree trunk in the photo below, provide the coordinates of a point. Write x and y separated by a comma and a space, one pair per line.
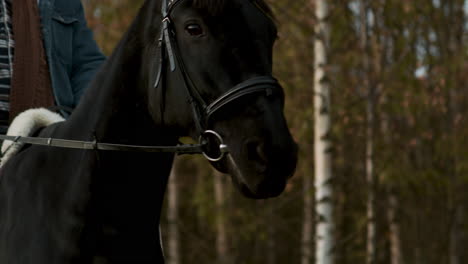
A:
307, 225
325, 241
369, 160
370, 178
271, 243
396, 254
394, 228
456, 235
173, 241
457, 15
222, 248
371, 186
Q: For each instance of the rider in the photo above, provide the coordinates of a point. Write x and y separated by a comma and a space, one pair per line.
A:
47, 55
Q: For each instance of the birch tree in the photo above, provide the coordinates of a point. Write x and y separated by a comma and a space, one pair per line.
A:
173, 241
222, 247
369, 95
325, 241
307, 225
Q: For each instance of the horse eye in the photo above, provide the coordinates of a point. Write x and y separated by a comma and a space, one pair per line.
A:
194, 29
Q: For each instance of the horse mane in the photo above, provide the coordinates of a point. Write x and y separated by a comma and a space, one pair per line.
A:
217, 7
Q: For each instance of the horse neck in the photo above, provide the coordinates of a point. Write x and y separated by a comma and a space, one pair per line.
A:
115, 107
112, 102
128, 187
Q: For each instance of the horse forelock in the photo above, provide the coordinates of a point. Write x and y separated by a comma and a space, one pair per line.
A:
217, 7
213, 7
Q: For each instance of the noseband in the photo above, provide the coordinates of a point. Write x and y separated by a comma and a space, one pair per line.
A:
203, 111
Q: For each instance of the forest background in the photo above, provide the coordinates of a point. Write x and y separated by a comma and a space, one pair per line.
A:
398, 73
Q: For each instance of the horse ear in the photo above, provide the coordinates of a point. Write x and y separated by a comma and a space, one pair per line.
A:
265, 8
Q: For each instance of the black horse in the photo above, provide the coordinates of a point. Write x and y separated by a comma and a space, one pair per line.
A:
182, 68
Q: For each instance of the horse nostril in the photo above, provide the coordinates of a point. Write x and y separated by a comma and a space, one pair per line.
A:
256, 151
261, 153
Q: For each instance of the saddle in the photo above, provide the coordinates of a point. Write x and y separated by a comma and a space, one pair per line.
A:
26, 124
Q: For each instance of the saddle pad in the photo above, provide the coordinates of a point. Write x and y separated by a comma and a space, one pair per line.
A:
24, 125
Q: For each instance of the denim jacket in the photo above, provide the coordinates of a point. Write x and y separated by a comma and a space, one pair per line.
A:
72, 52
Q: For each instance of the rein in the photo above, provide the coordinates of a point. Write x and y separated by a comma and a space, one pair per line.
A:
200, 148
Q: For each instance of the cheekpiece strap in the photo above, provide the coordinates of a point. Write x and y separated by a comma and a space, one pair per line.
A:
165, 10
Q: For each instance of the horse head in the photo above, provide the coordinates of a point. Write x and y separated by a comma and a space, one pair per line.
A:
210, 68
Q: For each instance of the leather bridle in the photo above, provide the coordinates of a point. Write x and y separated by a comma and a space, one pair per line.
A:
203, 111
211, 144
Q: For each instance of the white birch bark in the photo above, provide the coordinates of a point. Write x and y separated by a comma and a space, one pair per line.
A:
173, 241
325, 241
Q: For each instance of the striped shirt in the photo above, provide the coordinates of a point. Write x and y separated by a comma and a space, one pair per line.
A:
7, 45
